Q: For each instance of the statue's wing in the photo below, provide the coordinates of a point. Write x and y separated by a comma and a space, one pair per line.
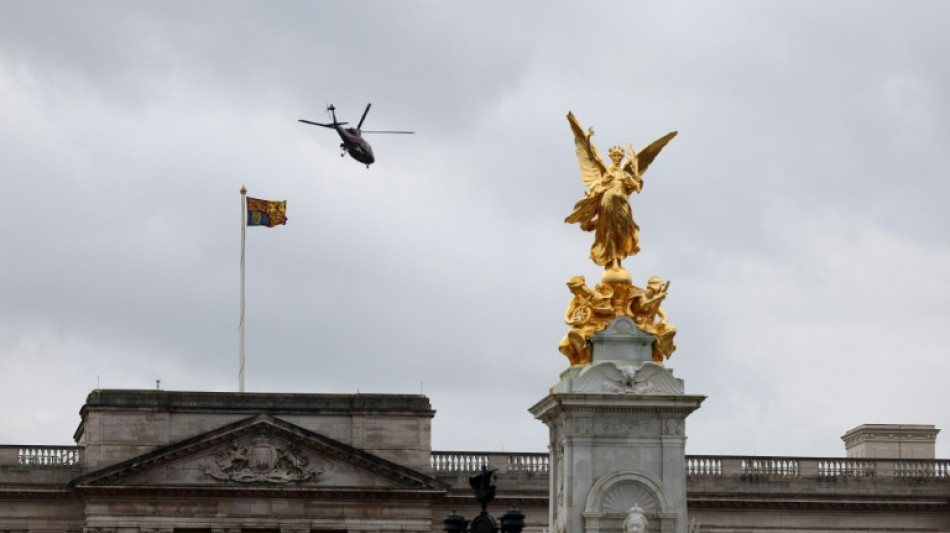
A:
592, 166
648, 154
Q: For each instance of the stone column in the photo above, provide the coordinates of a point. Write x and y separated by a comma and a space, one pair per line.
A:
618, 436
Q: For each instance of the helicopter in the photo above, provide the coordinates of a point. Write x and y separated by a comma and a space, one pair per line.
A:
353, 141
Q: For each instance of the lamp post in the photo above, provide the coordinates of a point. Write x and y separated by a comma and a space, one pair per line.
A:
483, 485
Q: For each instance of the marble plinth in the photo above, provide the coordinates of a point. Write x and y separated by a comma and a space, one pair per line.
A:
617, 438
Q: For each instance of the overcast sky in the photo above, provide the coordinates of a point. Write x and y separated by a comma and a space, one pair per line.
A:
801, 214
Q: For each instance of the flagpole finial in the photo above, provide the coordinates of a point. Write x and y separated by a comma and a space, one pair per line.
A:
243, 190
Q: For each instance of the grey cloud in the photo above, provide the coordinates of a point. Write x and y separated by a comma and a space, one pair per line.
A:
804, 188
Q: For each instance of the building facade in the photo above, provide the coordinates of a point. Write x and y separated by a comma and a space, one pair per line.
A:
189, 462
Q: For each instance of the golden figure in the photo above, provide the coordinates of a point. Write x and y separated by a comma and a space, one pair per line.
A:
589, 311
574, 345
592, 310
645, 308
605, 210
606, 207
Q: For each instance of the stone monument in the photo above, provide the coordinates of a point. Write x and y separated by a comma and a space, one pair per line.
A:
617, 416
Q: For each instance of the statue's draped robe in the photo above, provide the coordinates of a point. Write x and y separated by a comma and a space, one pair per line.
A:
616, 234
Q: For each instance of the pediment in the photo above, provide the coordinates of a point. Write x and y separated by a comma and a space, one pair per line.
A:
260, 451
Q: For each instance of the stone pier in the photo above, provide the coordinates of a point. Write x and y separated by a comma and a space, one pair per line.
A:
617, 438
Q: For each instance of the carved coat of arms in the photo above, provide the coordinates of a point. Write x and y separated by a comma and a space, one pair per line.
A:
263, 461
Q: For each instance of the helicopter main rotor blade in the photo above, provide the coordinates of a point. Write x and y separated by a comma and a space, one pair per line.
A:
360, 125
376, 131
319, 124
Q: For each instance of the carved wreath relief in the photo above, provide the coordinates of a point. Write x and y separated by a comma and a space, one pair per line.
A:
673, 427
582, 426
264, 461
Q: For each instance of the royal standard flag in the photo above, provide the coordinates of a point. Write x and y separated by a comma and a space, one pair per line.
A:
266, 212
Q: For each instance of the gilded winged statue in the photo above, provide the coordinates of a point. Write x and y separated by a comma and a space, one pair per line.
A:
605, 209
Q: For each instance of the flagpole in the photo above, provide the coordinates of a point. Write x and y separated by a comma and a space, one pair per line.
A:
241, 324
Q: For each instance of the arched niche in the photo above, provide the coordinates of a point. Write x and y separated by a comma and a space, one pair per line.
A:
614, 494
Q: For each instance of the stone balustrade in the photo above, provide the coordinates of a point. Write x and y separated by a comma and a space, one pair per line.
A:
462, 462
778, 467
715, 465
40, 456
528, 462
458, 461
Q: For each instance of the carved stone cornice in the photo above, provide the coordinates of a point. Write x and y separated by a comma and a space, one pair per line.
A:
890, 432
265, 491
27, 492
574, 404
889, 436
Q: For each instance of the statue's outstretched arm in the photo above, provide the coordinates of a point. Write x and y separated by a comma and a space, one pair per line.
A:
630, 171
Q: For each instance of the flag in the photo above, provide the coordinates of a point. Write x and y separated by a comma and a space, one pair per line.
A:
266, 212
